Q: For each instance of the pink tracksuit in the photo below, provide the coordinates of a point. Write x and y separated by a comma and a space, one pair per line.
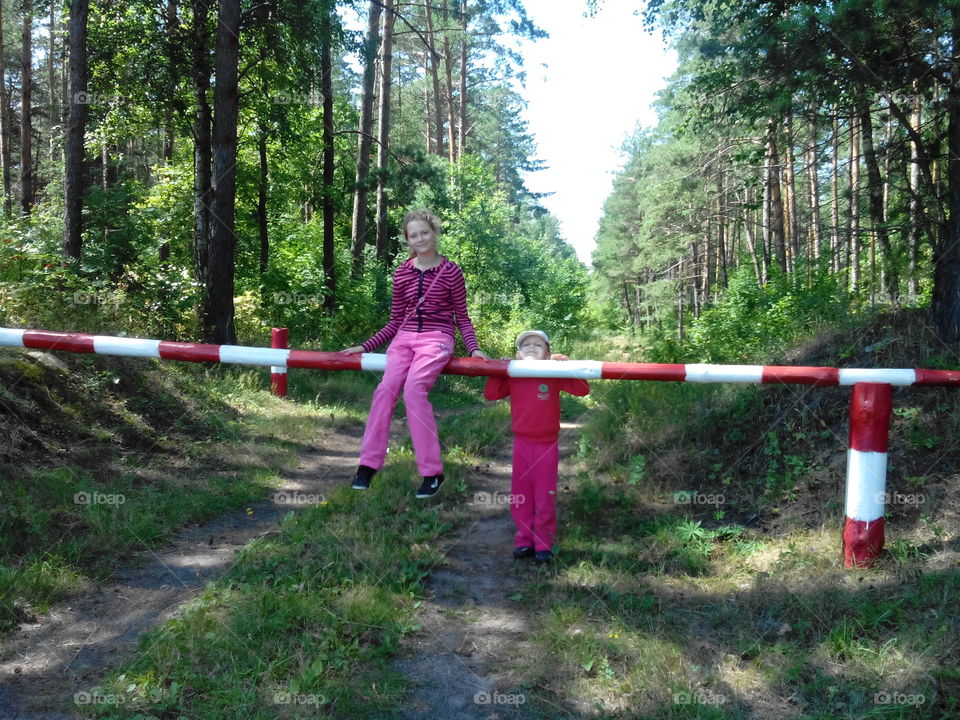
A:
535, 420
426, 308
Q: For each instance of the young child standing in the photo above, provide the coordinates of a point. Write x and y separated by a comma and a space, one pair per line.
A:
429, 304
535, 421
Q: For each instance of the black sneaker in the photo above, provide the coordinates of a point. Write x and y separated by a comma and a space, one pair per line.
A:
544, 557
430, 485
361, 481
524, 551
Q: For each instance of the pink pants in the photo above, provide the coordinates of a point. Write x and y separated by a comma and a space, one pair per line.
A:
414, 360
534, 490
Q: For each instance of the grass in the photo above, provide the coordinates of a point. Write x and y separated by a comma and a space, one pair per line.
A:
658, 606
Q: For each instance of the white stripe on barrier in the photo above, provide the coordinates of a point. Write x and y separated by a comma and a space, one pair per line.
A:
241, 355
866, 484
584, 369
376, 362
278, 369
724, 373
851, 376
11, 338
131, 347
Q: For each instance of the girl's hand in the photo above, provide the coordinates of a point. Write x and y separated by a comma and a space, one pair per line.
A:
352, 350
480, 354
559, 356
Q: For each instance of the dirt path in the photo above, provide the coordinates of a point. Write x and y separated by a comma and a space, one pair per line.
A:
475, 626
45, 664
458, 665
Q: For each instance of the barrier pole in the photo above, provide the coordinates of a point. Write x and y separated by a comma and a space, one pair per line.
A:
871, 405
278, 373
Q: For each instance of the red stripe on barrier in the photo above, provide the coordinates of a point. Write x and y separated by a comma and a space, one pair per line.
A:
643, 371
862, 542
937, 377
319, 360
46, 340
189, 352
870, 407
799, 375
475, 367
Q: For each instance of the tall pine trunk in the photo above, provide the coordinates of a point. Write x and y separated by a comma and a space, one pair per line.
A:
218, 325
358, 237
326, 88
76, 128
26, 109
202, 149
383, 134
875, 197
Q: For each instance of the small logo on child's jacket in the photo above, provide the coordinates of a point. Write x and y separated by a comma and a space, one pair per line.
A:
544, 393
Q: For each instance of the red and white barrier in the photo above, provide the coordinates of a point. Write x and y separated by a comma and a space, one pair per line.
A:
870, 408
278, 373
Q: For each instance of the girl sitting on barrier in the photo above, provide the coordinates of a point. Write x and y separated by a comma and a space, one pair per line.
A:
429, 304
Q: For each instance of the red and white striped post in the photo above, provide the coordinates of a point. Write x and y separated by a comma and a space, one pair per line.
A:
278, 373
871, 405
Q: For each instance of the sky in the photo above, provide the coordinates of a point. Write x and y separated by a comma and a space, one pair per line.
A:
588, 87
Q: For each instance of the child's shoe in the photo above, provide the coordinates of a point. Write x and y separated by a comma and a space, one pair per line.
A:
361, 481
431, 484
524, 551
544, 557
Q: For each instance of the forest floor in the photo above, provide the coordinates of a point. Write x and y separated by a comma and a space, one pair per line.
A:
454, 665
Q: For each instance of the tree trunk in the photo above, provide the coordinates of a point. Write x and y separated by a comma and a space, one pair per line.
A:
835, 193
383, 135
26, 109
813, 180
76, 128
875, 195
4, 126
945, 307
773, 202
170, 21
792, 225
359, 221
462, 104
853, 243
434, 57
202, 150
51, 81
218, 324
326, 88
448, 77
262, 224
913, 232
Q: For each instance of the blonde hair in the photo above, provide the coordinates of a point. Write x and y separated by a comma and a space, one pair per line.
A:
425, 216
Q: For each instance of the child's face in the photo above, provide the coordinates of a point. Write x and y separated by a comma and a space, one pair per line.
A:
421, 238
533, 347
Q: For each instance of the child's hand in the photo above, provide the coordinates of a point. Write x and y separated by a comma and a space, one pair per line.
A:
480, 354
558, 356
352, 350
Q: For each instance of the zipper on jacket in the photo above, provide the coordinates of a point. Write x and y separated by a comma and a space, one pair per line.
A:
420, 301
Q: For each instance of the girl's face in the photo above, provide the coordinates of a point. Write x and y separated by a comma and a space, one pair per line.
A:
533, 348
421, 238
